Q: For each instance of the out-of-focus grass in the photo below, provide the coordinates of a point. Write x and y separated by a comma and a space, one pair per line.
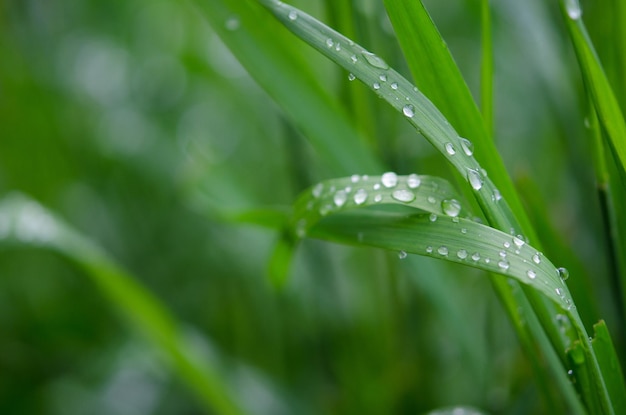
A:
134, 122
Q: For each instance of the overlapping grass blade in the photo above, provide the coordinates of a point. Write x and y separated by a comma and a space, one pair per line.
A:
258, 46
24, 223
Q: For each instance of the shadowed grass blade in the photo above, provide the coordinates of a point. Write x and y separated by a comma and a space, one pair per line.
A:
25, 223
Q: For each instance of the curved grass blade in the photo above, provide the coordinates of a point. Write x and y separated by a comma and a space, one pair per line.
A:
25, 223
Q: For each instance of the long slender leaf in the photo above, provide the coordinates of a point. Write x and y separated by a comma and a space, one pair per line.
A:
23, 222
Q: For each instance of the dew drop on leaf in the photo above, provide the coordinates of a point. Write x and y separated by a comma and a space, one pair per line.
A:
433, 217
531, 274
389, 179
518, 241
462, 254
317, 190
394, 85
450, 149
360, 196
340, 198
293, 15
476, 256
442, 250
413, 181
374, 60
467, 146
563, 273
475, 179
408, 110
376, 85
354, 59
451, 207
378, 198
403, 195
536, 258
351, 77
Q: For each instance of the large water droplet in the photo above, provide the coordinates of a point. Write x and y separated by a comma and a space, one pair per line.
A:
451, 207
408, 110
563, 273
375, 60
475, 179
293, 15
573, 9
403, 195
467, 146
360, 196
450, 149
389, 179
340, 198
462, 254
442, 250
531, 274
413, 181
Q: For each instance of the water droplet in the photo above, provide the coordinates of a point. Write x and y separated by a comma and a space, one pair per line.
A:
497, 196
502, 254
413, 181
429, 249
403, 195
348, 189
433, 217
375, 60
355, 178
531, 274
293, 15
351, 77
389, 179
504, 265
573, 9
360, 196
232, 23
394, 85
450, 149
324, 210
301, 228
487, 260
537, 258
365, 177
463, 231
559, 292
442, 250
383, 77
570, 372
402, 254
354, 59
340, 198
376, 186
317, 190
451, 207
476, 256
432, 200
475, 179
519, 242
408, 110
376, 85
338, 47
462, 254
467, 146
563, 273
378, 198
329, 42
455, 219
506, 244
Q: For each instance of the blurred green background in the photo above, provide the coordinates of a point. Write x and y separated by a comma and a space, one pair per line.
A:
134, 122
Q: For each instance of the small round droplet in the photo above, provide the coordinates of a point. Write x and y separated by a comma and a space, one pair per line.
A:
432, 200
338, 47
519, 242
502, 254
563, 273
496, 196
531, 274
360, 196
461, 254
570, 372
293, 15
383, 77
450, 149
394, 85
432, 217
467, 146
475, 179
355, 178
374, 60
376, 186
232, 23
376, 85
354, 59
537, 258
451, 207
403, 195
317, 190
329, 42
573, 9
324, 210
413, 181
340, 198
429, 249
389, 179
408, 110
442, 250
378, 198
455, 219
463, 231
504, 265
559, 292
506, 244
476, 256
351, 77
402, 254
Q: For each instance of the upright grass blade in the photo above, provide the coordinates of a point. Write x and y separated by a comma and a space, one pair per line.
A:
24, 223
486, 68
257, 44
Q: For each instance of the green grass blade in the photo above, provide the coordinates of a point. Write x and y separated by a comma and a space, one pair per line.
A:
486, 69
609, 364
604, 100
24, 223
259, 47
